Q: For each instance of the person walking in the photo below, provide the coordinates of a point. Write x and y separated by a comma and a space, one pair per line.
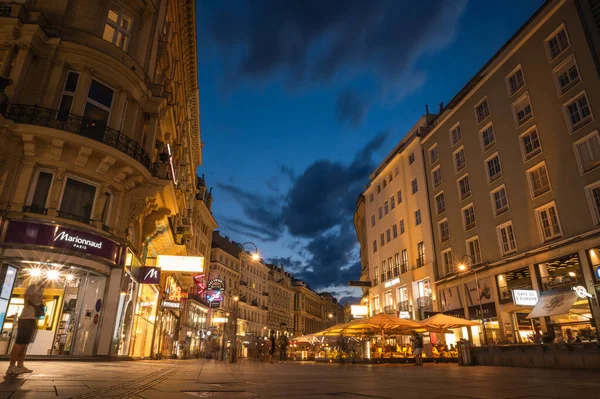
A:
417, 346
283, 344
272, 346
33, 309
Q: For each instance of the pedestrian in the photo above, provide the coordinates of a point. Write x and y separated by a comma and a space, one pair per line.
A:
32, 310
271, 346
283, 344
417, 346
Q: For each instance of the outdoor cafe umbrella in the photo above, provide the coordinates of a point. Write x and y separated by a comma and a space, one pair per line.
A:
441, 323
334, 330
381, 323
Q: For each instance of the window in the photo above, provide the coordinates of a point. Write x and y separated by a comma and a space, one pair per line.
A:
433, 154
392, 202
106, 208
382, 237
386, 208
474, 250
464, 187
421, 254
538, 179
488, 139
395, 230
373, 220
506, 236
390, 178
66, 101
482, 110
402, 226
455, 134
376, 281
494, 171
404, 264
587, 151
440, 203
380, 212
77, 200
515, 80
417, 217
548, 221
447, 261
118, 28
468, 217
415, 187
399, 196
97, 109
378, 188
437, 177
384, 183
593, 194
566, 75
522, 111
411, 158
578, 112
39, 196
530, 144
397, 170
371, 197
557, 42
374, 245
444, 230
388, 235
459, 159
499, 201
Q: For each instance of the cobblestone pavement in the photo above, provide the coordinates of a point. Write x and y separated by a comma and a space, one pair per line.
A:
210, 379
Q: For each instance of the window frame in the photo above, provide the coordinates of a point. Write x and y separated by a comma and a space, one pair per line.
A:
561, 65
484, 99
402, 226
485, 148
96, 103
524, 155
34, 182
487, 170
521, 123
460, 197
414, 184
444, 257
550, 36
437, 152
493, 200
499, 229
578, 157
566, 114
435, 198
457, 125
399, 196
470, 240
433, 181
458, 150
411, 158
68, 92
507, 80
395, 230
440, 223
590, 198
419, 218
538, 211
81, 180
117, 26
530, 181
373, 220
466, 228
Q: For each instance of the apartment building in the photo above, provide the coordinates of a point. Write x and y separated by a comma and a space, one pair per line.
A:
512, 170
254, 294
280, 300
309, 309
398, 234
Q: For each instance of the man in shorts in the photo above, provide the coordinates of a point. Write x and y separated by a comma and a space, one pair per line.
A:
25, 328
417, 343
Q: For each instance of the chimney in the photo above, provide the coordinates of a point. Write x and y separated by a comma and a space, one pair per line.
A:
426, 109
441, 107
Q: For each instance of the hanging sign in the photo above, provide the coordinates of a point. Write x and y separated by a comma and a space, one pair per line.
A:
215, 297
150, 275
216, 284
581, 292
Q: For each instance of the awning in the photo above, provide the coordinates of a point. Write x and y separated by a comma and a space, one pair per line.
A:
552, 305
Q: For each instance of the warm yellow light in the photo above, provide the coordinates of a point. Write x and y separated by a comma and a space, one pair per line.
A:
52, 275
236, 298
255, 256
462, 267
70, 277
572, 274
171, 263
330, 315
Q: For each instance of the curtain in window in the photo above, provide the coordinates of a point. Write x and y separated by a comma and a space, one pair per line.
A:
41, 190
78, 199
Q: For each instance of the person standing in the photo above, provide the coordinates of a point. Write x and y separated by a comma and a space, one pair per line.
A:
32, 309
271, 346
417, 344
283, 344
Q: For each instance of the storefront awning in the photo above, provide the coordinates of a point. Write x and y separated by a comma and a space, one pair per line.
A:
552, 305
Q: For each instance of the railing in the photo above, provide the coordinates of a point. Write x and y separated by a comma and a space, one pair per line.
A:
72, 216
52, 118
375, 281
264, 307
389, 309
242, 282
254, 303
243, 299
35, 209
421, 261
389, 274
403, 306
396, 271
265, 293
404, 267
424, 302
382, 277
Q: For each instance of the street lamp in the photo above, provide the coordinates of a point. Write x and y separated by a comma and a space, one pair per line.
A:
462, 266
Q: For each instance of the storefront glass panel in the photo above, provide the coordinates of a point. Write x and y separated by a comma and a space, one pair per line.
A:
145, 316
519, 279
559, 274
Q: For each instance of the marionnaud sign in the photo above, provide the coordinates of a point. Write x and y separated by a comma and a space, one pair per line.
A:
150, 275
391, 283
21, 232
525, 297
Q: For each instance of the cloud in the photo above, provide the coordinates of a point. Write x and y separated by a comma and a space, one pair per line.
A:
350, 108
290, 265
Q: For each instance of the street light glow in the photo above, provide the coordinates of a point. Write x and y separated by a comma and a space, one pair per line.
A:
462, 267
236, 298
255, 256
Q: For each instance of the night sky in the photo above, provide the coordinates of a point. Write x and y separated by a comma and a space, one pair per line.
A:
301, 100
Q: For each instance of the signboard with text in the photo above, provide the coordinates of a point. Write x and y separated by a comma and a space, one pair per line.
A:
525, 297
216, 284
489, 311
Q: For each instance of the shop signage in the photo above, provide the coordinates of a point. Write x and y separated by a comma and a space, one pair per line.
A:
489, 311
404, 314
215, 305
215, 297
598, 272
358, 310
220, 320
172, 263
150, 275
391, 283
171, 304
581, 292
525, 297
20, 232
216, 284
175, 294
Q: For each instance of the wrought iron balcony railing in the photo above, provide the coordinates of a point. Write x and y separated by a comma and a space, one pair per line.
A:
396, 271
421, 261
72, 216
35, 209
389, 309
403, 306
404, 267
34, 115
424, 302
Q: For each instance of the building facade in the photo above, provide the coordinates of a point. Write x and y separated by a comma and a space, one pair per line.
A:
399, 242
512, 165
100, 142
334, 311
309, 309
360, 226
280, 301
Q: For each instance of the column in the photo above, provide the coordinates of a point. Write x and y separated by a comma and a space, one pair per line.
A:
116, 112
53, 89
19, 195
54, 194
83, 87
109, 312
151, 134
18, 72
7, 60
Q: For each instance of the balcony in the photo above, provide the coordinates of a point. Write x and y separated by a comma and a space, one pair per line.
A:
77, 218
421, 261
265, 293
34, 115
424, 302
389, 309
396, 271
403, 306
264, 307
243, 299
404, 267
245, 283
375, 281
254, 303
382, 277
35, 209
389, 274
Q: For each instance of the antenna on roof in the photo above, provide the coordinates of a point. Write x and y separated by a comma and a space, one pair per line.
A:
426, 109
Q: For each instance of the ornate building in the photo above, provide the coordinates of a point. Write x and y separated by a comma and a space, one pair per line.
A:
281, 300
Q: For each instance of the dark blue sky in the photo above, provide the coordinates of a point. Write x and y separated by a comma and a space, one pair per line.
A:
300, 100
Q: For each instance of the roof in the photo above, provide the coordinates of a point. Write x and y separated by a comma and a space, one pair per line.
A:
225, 244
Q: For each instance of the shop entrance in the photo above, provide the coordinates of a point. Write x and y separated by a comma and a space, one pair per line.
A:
74, 299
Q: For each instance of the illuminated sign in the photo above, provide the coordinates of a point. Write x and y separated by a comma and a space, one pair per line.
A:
215, 297
598, 272
220, 320
172, 305
150, 275
175, 294
525, 297
404, 314
581, 292
391, 283
216, 284
171, 263
78, 242
359, 310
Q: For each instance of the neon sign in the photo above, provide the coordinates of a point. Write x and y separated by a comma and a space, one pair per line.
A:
216, 297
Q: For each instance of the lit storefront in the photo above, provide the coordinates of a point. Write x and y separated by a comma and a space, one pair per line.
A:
167, 341
77, 268
194, 327
516, 298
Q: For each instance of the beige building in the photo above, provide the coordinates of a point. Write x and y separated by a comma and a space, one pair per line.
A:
334, 311
360, 227
254, 294
100, 135
512, 165
398, 233
309, 310
280, 300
